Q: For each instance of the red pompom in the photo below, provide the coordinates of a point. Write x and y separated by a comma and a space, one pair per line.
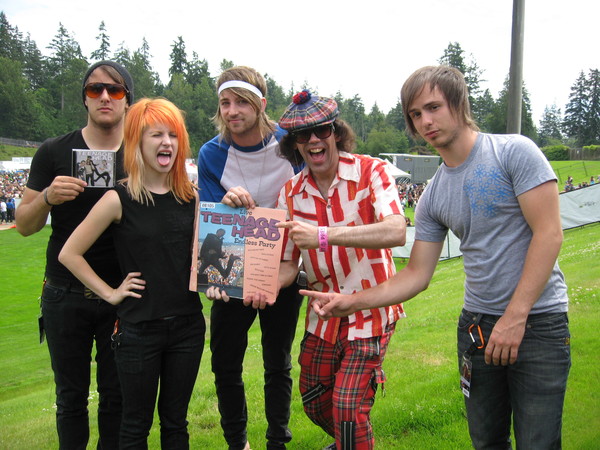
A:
301, 97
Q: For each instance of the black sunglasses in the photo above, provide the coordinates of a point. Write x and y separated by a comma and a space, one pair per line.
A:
116, 91
322, 132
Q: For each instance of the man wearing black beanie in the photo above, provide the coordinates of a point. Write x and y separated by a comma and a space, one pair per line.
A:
73, 317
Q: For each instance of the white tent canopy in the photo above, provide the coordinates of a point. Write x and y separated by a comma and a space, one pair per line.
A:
398, 173
14, 165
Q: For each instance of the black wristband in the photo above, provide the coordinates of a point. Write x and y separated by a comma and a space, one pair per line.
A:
46, 198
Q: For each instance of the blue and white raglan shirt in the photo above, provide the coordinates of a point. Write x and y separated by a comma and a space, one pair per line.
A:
259, 169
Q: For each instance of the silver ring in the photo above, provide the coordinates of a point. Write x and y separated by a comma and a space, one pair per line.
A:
231, 194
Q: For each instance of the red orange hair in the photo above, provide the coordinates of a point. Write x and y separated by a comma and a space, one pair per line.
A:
144, 113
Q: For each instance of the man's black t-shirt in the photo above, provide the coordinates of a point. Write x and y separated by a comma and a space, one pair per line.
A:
53, 158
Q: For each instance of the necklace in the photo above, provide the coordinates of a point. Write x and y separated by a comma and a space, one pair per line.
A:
262, 171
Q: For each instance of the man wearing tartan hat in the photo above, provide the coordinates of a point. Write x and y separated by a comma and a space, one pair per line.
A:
344, 215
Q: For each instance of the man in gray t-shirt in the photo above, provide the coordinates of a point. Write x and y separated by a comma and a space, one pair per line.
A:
498, 194
479, 201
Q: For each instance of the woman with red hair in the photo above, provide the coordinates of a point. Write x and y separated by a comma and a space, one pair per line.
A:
160, 331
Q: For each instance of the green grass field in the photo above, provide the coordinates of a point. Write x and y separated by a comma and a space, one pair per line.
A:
580, 171
422, 407
8, 151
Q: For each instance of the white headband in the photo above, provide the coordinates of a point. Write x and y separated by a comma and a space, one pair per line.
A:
240, 84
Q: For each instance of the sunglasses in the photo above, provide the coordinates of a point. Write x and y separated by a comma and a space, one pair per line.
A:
322, 132
116, 91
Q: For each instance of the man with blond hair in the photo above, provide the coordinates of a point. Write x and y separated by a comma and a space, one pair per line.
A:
240, 167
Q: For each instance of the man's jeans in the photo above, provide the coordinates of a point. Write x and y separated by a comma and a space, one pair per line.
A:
72, 323
165, 352
532, 389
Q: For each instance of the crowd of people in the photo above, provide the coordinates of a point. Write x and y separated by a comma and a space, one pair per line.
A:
570, 186
12, 184
410, 193
117, 268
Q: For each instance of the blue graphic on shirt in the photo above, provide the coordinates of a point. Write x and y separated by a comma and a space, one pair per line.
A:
485, 190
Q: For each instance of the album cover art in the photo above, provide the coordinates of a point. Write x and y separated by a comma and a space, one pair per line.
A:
96, 167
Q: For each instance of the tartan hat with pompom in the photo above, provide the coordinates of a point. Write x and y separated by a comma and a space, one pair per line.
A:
308, 111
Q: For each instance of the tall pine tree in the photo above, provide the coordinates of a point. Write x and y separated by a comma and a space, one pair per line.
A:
576, 111
592, 135
103, 51
550, 124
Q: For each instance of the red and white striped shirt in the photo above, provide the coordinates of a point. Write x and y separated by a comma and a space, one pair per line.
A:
363, 192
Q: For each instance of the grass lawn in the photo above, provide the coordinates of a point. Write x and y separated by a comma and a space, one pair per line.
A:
8, 151
580, 171
422, 407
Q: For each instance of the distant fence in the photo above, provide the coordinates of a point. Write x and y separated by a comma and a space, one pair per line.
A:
563, 172
20, 142
577, 208
578, 154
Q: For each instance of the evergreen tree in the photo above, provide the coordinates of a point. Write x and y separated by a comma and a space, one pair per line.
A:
194, 101
395, 118
576, 111
123, 56
66, 66
64, 49
375, 120
550, 124
205, 100
482, 108
453, 56
385, 139
17, 111
34, 65
352, 110
496, 121
11, 45
178, 58
197, 70
225, 64
146, 80
592, 135
103, 52
277, 99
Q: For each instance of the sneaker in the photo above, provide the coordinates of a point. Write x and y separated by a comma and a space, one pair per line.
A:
330, 447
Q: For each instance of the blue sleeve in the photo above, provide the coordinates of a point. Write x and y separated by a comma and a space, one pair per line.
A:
211, 164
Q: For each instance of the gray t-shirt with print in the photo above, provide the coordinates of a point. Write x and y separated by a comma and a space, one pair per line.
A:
478, 202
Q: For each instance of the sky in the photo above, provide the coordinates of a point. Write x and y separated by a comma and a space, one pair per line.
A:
364, 48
